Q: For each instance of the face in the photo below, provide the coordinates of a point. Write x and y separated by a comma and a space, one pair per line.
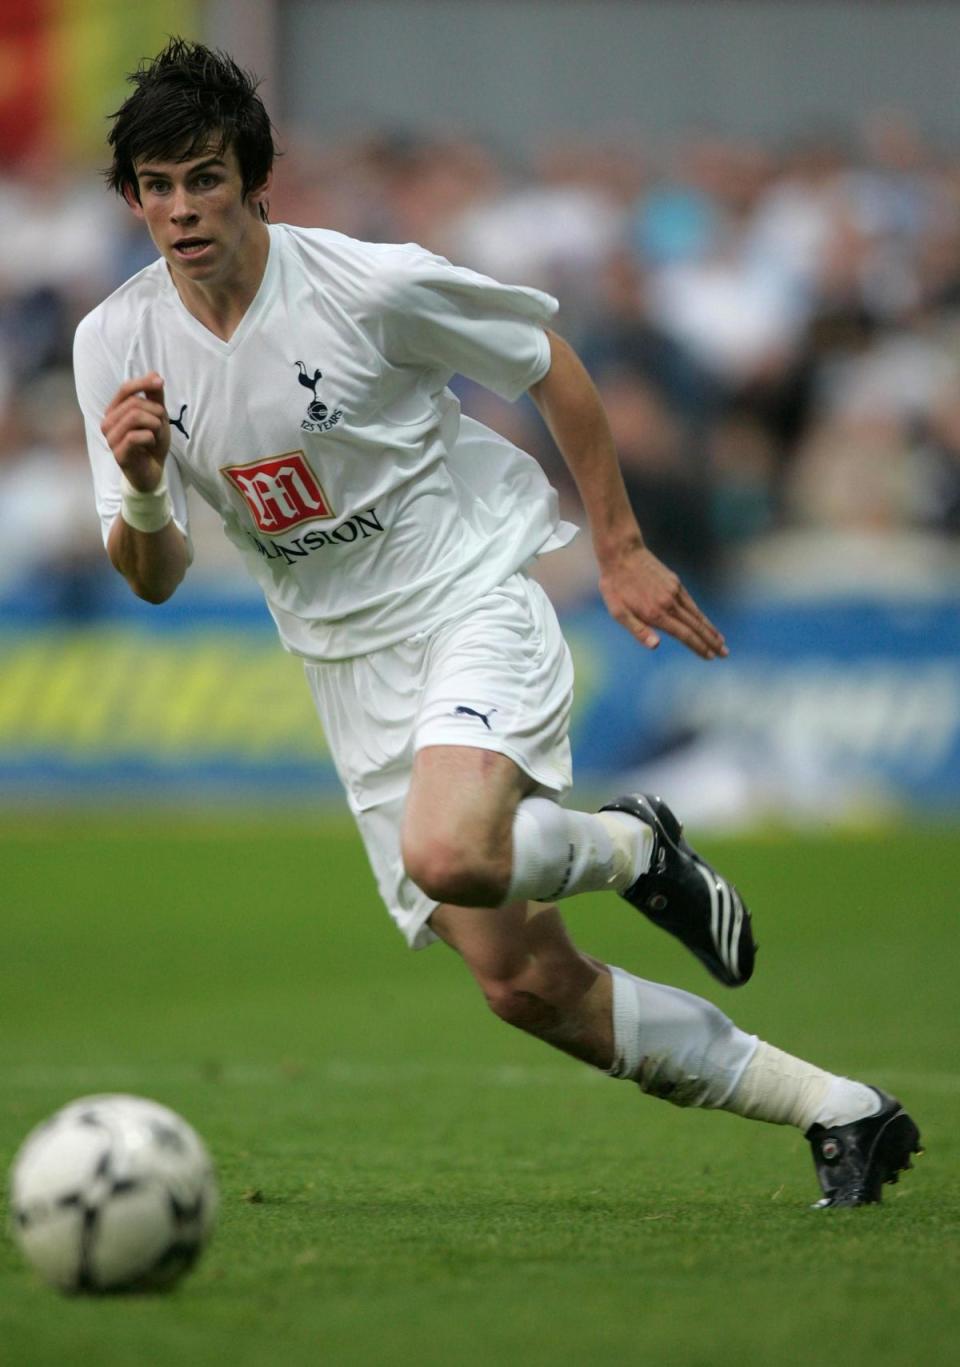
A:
197, 215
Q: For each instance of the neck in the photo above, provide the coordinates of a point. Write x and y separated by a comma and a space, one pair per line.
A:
221, 304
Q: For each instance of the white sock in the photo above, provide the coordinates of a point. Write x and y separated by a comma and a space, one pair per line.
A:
557, 852
783, 1090
633, 843
685, 1050
846, 1100
674, 1045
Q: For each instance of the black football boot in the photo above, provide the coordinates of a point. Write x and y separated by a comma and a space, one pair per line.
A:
683, 895
853, 1161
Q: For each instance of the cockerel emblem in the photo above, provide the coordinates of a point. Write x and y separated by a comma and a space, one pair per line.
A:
316, 411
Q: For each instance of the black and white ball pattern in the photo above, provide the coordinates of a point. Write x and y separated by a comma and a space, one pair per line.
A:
112, 1193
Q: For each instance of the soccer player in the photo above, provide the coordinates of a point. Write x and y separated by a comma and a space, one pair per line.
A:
297, 379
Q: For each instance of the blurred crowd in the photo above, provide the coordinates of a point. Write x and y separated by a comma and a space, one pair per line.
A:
775, 332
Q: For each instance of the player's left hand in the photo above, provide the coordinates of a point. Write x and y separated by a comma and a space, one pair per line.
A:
646, 597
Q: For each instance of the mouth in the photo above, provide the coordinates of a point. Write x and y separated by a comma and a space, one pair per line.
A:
188, 248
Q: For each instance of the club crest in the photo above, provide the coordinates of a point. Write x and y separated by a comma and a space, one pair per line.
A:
319, 418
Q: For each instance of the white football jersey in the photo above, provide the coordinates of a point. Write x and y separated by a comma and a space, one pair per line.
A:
324, 434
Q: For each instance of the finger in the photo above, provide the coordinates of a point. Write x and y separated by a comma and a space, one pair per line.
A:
137, 407
144, 405
685, 627
643, 632
702, 620
140, 384
693, 640
143, 438
155, 391
137, 442
671, 617
690, 627
704, 629
685, 632
132, 422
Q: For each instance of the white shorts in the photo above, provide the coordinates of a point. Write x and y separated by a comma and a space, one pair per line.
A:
498, 677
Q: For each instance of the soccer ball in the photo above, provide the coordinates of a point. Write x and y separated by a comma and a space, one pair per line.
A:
112, 1193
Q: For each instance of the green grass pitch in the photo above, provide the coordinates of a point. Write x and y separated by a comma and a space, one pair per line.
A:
405, 1180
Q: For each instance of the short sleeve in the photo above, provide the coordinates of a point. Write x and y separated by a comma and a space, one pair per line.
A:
97, 379
459, 322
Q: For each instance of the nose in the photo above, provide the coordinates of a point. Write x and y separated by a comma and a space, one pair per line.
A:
182, 210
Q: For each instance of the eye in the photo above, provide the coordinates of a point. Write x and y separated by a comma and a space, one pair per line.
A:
206, 180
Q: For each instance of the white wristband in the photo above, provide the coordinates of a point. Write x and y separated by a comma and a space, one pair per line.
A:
146, 512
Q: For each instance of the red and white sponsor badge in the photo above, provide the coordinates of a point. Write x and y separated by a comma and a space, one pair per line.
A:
281, 492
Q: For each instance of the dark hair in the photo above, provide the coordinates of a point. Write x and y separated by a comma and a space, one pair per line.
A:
185, 99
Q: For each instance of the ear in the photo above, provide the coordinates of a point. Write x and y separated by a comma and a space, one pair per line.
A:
258, 193
132, 201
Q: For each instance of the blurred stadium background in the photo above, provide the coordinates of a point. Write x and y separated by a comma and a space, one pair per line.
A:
751, 215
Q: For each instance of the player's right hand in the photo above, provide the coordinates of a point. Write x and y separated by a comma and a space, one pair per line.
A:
137, 430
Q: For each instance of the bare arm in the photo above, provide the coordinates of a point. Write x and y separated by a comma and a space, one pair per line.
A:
137, 431
639, 591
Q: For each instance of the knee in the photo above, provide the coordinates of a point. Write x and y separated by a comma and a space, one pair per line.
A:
448, 872
518, 1005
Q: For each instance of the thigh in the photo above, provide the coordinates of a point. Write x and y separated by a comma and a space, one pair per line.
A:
500, 680
492, 723
463, 798
499, 677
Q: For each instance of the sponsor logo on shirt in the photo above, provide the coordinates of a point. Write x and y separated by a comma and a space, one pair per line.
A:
358, 528
319, 418
281, 491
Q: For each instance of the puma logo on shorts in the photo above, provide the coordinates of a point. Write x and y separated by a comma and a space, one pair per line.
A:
471, 712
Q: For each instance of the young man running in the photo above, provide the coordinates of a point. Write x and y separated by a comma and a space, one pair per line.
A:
297, 379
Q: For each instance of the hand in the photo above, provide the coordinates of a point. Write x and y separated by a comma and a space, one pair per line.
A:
137, 430
641, 593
